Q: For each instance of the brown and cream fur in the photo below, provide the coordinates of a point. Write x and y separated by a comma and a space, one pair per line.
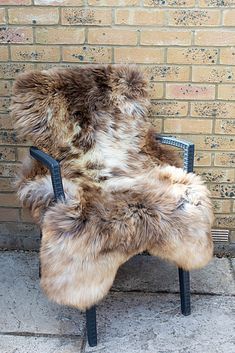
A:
125, 193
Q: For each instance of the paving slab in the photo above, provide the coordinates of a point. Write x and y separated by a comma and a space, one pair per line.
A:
152, 323
19, 236
22, 344
24, 307
150, 274
145, 321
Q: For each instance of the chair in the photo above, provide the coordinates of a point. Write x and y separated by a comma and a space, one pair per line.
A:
184, 276
122, 191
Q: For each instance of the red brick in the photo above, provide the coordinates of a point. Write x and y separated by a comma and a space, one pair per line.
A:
221, 110
216, 3
16, 35
25, 216
221, 206
139, 17
112, 36
225, 126
35, 53
91, 17
215, 37
157, 123
192, 55
211, 142
11, 70
216, 175
213, 74
59, 35
187, 126
189, 91
167, 73
165, 37
113, 2
195, 17
202, 159
8, 170
225, 221
59, 2
4, 104
9, 200
169, 3
87, 54
33, 15
156, 90
5, 88
229, 16
4, 54
7, 153
227, 56
9, 138
139, 55
226, 92
9, 214
15, 2
48, 66
226, 159
166, 108
222, 190
22, 153
5, 122
6, 185
2, 16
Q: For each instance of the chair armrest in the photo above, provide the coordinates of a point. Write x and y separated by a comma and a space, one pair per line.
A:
187, 147
54, 168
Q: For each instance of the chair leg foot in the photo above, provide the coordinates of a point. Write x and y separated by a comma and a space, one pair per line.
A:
184, 280
91, 326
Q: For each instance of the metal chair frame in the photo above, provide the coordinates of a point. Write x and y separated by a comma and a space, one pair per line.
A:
184, 277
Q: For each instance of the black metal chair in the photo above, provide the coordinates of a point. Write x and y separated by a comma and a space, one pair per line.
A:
184, 277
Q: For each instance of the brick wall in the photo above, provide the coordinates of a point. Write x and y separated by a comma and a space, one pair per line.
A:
185, 47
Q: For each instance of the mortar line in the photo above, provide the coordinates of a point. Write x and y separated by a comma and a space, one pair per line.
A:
173, 292
84, 340
33, 334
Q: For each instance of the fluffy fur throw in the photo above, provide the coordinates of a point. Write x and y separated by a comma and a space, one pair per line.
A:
125, 193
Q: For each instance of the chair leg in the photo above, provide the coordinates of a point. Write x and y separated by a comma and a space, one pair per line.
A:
184, 280
91, 326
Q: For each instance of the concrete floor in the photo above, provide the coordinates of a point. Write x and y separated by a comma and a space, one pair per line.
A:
140, 314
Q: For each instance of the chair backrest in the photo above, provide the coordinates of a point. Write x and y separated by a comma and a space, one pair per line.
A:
62, 110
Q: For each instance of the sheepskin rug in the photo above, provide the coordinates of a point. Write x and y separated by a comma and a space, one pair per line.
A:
124, 192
